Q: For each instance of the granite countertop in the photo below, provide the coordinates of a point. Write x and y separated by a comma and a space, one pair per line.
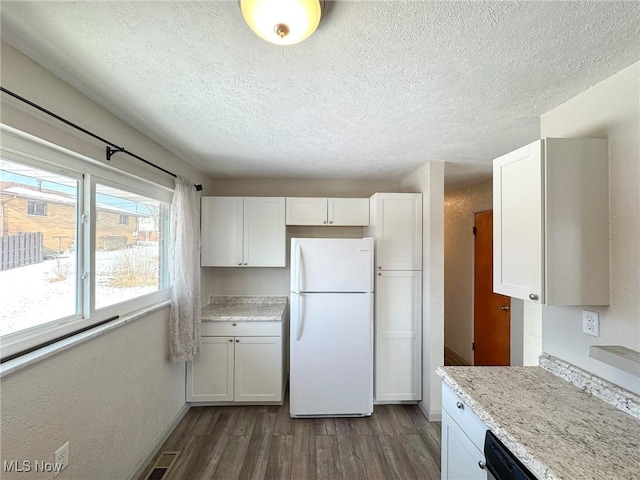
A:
245, 309
556, 429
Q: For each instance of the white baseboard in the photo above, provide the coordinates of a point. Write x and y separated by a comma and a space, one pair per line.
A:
433, 415
163, 438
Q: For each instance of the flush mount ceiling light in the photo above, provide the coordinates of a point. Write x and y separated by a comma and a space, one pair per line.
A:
283, 22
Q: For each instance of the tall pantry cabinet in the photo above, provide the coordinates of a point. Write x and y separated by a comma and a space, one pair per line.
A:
396, 226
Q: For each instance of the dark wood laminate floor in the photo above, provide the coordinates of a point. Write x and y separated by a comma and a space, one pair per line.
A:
251, 442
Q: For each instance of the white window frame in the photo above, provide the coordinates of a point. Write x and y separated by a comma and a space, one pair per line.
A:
26, 149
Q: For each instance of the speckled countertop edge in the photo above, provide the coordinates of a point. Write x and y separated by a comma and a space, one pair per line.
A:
270, 299
563, 444
245, 309
604, 390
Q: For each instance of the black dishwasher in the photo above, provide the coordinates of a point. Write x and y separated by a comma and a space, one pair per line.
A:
501, 463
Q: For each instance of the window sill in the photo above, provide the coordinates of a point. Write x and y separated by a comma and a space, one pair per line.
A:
12, 366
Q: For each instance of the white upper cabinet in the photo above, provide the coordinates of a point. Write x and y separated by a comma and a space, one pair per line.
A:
264, 232
327, 211
348, 211
551, 222
396, 225
221, 231
243, 231
306, 211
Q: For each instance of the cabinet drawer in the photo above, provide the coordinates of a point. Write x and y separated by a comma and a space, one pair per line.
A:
241, 329
460, 413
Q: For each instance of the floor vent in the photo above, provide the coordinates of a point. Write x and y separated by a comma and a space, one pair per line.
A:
163, 465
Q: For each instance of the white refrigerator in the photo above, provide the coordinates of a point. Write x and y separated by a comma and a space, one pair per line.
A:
331, 363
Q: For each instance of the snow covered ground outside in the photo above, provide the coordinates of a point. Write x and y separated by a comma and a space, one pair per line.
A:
29, 297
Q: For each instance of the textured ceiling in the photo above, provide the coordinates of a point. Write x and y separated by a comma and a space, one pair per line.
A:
379, 89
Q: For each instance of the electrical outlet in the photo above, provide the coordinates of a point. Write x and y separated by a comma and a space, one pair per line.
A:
61, 458
590, 323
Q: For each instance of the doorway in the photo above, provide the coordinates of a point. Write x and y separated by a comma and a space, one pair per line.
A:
491, 312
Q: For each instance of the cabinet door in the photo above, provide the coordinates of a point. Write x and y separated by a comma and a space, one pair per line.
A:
264, 232
518, 264
460, 459
221, 231
399, 231
348, 211
398, 336
210, 374
306, 211
258, 373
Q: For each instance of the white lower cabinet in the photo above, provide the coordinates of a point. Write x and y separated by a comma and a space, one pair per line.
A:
398, 329
460, 457
237, 368
462, 442
258, 369
210, 375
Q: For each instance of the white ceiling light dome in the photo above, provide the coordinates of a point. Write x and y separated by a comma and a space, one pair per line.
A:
283, 22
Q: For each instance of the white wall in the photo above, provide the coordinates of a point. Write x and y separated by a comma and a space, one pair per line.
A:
111, 397
114, 396
459, 209
609, 109
429, 180
275, 281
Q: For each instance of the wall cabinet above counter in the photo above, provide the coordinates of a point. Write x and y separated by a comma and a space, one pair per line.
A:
251, 231
243, 232
551, 222
336, 212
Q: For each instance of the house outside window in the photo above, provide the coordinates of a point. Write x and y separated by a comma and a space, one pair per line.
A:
124, 219
35, 207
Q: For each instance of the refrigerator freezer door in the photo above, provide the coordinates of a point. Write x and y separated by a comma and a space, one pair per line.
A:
331, 354
331, 265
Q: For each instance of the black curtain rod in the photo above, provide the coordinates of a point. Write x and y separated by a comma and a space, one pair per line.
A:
111, 148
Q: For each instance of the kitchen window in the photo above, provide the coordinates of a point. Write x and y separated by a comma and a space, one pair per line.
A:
68, 261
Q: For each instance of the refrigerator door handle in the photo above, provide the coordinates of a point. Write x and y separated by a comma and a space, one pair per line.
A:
300, 324
298, 266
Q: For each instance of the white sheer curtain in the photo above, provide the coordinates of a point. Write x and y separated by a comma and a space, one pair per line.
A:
184, 250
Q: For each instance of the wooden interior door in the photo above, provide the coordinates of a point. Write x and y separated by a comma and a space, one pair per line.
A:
492, 320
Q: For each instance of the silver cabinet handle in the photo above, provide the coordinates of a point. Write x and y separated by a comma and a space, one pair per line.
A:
533, 296
237, 340
460, 405
246, 263
325, 222
503, 307
240, 263
482, 465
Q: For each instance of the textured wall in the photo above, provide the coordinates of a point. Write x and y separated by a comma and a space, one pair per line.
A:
114, 396
111, 397
459, 208
429, 180
609, 109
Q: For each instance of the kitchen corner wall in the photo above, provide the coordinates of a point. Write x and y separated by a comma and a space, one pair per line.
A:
112, 397
429, 180
275, 281
610, 110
